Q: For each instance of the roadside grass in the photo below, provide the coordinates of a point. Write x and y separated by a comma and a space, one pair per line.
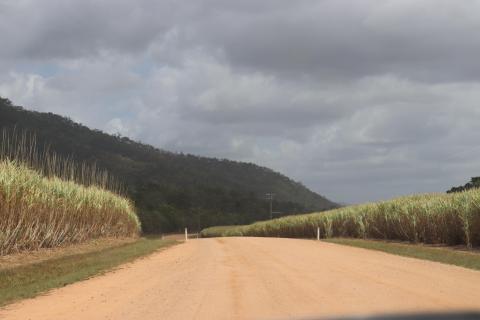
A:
448, 255
30, 280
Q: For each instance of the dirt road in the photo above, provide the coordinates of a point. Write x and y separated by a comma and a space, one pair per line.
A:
259, 278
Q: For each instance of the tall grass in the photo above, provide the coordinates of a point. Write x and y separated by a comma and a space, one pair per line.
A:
451, 219
42, 203
22, 147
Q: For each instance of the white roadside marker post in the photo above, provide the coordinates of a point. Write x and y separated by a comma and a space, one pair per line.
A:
318, 233
186, 234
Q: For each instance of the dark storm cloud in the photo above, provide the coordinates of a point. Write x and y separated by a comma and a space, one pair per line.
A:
426, 40
361, 100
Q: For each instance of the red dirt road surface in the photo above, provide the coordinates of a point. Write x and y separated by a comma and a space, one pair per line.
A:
259, 278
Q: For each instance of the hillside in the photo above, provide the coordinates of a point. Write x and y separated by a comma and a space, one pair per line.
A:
170, 190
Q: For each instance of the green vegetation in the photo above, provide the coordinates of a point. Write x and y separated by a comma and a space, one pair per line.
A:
450, 219
474, 183
170, 190
224, 231
30, 280
465, 259
43, 210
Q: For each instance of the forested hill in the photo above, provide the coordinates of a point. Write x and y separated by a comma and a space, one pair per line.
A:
171, 190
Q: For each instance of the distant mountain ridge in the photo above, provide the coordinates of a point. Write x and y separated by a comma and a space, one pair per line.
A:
171, 190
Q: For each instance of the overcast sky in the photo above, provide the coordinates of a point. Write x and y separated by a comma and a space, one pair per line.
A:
359, 100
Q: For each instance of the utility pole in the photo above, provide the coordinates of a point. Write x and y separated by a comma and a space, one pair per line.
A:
270, 197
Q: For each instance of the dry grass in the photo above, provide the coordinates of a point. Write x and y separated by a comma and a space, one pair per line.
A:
43, 205
37, 212
22, 147
451, 219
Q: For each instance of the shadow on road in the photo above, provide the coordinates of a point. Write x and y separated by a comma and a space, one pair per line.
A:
411, 316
